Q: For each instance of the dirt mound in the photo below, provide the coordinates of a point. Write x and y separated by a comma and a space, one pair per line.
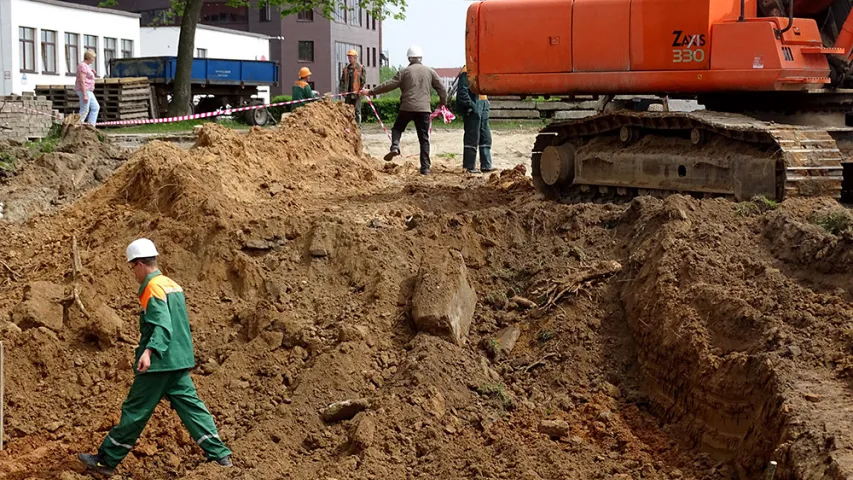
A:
55, 172
663, 339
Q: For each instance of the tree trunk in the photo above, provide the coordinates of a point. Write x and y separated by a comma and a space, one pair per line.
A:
186, 48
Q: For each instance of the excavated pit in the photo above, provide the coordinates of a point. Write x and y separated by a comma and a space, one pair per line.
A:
671, 338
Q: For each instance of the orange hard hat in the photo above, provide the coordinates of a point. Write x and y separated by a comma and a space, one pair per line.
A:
352, 52
304, 72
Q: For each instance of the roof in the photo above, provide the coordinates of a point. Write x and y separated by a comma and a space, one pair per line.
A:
448, 72
214, 29
75, 6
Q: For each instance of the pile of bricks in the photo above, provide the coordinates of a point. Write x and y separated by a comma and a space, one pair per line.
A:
19, 120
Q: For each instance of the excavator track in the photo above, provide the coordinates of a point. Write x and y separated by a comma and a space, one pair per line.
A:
704, 153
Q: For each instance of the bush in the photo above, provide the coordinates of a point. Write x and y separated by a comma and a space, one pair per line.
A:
387, 109
276, 112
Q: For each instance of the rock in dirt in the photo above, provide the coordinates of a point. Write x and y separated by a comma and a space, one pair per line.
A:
344, 410
362, 434
554, 428
444, 301
505, 341
323, 240
105, 325
40, 307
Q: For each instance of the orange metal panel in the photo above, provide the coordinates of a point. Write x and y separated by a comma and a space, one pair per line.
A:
670, 35
678, 81
472, 45
600, 35
729, 10
803, 32
728, 52
532, 36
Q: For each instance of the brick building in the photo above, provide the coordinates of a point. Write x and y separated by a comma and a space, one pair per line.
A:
304, 40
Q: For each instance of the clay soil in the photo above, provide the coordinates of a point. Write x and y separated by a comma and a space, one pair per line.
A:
719, 339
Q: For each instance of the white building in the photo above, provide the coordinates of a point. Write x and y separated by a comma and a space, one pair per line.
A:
42, 41
210, 42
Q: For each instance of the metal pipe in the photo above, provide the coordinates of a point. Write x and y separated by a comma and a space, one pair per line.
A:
742, 10
771, 471
790, 18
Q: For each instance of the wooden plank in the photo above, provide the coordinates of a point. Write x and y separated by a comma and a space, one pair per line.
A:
510, 105
514, 114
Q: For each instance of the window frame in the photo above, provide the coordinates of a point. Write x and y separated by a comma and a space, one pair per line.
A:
199, 51
114, 51
122, 49
306, 16
71, 61
265, 13
22, 44
299, 51
44, 54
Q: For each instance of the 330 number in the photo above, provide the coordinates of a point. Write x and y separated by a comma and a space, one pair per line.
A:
686, 55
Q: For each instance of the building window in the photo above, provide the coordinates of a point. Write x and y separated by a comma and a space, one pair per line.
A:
27, 38
340, 12
306, 51
341, 59
126, 48
90, 42
72, 52
305, 16
374, 23
48, 52
355, 15
374, 56
266, 13
200, 53
109, 53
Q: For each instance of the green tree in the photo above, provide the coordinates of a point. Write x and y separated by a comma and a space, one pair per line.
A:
190, 13
385, 74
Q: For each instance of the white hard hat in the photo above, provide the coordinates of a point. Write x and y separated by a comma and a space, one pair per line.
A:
415, 52
141, 248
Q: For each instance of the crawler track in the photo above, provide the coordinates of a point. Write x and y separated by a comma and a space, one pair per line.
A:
702, 153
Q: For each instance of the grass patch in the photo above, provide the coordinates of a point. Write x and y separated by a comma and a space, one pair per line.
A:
449, 156
48, 143
7, 163
496, 391
835, 222
764, 204
545, 335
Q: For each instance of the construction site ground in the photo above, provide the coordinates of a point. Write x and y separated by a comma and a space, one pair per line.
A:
655, 338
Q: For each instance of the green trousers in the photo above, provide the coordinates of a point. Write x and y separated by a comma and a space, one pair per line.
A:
144, 395
478, 136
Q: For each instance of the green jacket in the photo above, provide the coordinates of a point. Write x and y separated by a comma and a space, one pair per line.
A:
466, 100
164, 325
301, 91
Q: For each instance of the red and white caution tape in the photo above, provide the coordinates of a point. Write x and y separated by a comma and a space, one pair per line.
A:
196, 116
377, 116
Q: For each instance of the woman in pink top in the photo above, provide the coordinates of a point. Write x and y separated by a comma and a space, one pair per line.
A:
85, 88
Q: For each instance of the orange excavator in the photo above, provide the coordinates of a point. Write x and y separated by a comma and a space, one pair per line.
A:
774, 77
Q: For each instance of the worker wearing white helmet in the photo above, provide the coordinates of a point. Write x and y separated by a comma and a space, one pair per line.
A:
415, 83
163, 362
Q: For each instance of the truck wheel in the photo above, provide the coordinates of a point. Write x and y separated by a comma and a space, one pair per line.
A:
259, 116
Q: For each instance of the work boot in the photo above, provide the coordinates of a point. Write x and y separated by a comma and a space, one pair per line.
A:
225, 462
424, 171
395, 145
472, 171
96, 464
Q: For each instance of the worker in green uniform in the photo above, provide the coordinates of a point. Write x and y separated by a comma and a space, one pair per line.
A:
302, 89
475, 116
162, 370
